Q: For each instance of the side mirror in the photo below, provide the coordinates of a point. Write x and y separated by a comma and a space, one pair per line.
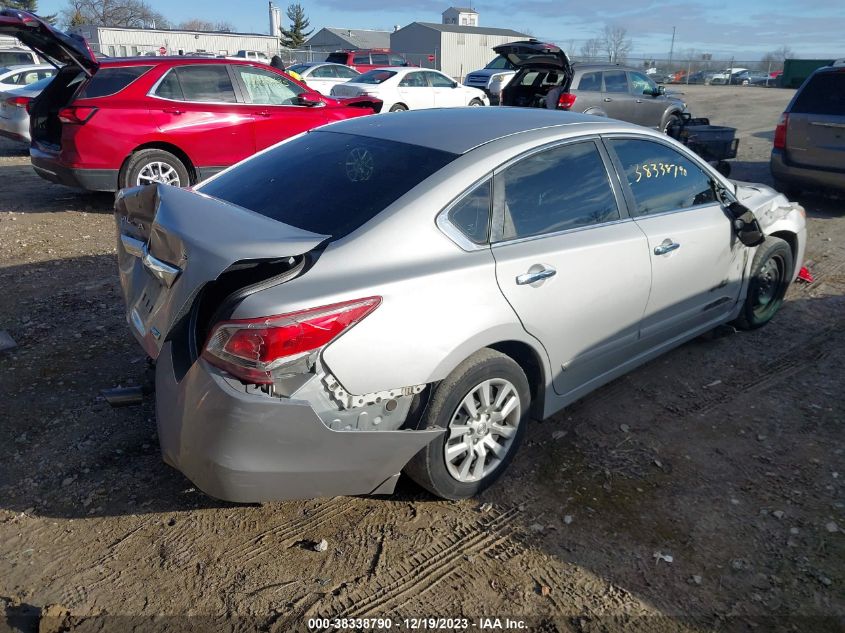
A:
746, 226
455, 84
309, 100
661, 90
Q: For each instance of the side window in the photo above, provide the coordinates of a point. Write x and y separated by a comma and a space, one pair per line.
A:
640, 84
361, 59
439, 81
345, 73
380, 59
169, 88
661, 178
30, 78
324, 72
615, 81
206, 82
558, 189
109, 81
268, 88
471, 214
590, 82
397, 60
413, 80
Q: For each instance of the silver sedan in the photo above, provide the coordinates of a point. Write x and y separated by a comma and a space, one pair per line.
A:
14, 112
402, 294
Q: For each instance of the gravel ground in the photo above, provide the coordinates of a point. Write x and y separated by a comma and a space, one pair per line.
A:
702, 491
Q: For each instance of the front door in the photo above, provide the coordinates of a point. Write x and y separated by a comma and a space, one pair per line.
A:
650, 105
446, 92
276, 112
574, 268
697, 263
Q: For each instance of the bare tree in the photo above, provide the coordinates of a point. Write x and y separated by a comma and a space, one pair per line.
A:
773, 60
614, 43
197, 24
591, 48
122, 13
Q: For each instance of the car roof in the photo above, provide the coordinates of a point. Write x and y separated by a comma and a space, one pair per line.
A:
458, 130
19, 67
599, 66
163, 60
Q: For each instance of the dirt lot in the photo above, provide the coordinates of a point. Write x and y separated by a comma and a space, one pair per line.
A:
703, 491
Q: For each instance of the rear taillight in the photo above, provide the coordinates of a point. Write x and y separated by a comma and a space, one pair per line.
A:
566, 101
76, 114
780, 131
18, 102
257, 350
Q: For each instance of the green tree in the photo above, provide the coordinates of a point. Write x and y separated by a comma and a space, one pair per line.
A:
296, 35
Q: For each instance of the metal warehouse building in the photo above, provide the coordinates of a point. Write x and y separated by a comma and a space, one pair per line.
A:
457, 49
331, 39
123, 42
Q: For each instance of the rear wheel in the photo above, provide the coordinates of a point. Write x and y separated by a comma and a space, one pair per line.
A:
149, 166
483, 405
398, 107
771, 272
476, 103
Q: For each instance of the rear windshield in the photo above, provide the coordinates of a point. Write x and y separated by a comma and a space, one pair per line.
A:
337, 58
374, 77
823, 94
327, 182
14, 58
109, 81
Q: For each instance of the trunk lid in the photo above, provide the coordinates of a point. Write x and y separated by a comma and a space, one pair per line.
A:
59, 48
171, 242
531, 52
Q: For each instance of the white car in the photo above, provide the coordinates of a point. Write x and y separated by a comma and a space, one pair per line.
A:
404, 89
322, 76
17, 76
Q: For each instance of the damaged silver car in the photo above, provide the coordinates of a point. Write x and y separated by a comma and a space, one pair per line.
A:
379, 296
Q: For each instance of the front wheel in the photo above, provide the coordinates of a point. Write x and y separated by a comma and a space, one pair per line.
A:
398, 107
673, 121
771, 273
483, 405
476, 102
149, 166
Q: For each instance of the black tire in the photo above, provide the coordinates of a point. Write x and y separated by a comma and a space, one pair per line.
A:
428, 467
476, 102
398, 107
145, 160
771, 273
671, 122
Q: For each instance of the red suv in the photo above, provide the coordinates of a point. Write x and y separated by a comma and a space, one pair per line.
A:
367, 59
107, 124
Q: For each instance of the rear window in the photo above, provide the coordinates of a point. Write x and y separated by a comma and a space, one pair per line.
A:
109, 81
337, 58
327, 182
14, 58
374, 77
823, 94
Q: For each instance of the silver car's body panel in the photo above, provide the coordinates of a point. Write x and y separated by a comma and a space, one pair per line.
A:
614, 304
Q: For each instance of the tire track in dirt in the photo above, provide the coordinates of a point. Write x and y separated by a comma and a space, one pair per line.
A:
798, 357
289, 530
423, 571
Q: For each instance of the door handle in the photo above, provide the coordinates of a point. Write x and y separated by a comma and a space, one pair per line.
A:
533, 277
262, 113
607, 99
174, 111
667, 246
639, 100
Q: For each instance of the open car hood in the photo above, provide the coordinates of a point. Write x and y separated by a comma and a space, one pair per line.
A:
532, 52
59, 48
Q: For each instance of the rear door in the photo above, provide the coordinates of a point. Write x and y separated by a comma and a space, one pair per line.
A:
197, 108
574, 268
815, 135
697, 263
617, 100
415, 91
276, 111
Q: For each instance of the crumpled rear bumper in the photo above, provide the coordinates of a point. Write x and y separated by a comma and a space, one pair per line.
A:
246, 447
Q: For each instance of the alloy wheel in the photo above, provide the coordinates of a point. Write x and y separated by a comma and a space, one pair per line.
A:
482, 430
158, 171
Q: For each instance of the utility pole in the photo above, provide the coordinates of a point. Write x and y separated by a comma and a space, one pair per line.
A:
672, 48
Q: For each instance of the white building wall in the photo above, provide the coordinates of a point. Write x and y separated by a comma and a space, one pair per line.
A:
117, 42
461, 53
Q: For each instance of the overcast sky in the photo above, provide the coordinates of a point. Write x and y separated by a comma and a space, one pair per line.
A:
744, 28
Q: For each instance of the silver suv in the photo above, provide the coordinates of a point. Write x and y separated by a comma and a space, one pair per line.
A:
546, 79
809, 145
